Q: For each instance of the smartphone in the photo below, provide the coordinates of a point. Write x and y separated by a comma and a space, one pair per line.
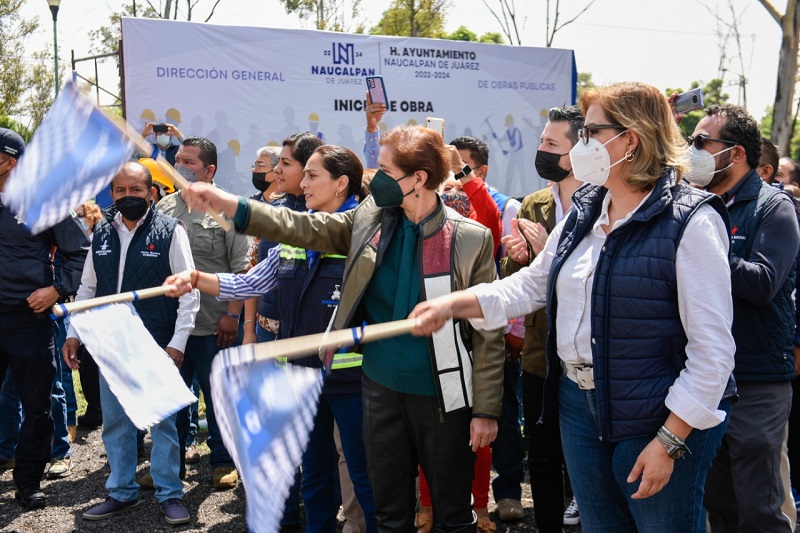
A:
160, 128
377, 90
689, 101
435, 124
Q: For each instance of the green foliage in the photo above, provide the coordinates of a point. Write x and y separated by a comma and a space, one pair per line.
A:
14, 74
462, 34
330, 15
585, 82
10, 123
492, 37
766, 131
105, 39
712, 94
413, 18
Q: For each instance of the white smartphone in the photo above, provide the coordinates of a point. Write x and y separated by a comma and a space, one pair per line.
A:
435, 124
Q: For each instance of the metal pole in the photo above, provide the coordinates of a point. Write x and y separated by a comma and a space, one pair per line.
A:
54, 10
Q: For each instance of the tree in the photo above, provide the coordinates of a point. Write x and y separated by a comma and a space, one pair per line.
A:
462, 34
413, 18
728, 30
585, 82
41, 93
328, 14
492, 37
507, 18
14, 76
555, 27
712, 94
783, 108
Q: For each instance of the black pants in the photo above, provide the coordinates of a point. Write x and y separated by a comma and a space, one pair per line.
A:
545, 458
28, 348
90, 383
402, 431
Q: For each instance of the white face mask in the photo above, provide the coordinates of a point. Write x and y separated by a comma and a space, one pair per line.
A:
163, 140
702, 165
590, 161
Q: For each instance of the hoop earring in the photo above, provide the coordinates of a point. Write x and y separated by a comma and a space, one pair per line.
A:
629, 156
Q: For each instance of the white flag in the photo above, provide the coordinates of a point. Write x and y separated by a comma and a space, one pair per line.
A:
141, 375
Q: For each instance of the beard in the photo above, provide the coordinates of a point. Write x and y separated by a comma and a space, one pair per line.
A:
722, 177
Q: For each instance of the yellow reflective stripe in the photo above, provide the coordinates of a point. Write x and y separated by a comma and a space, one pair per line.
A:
333, 256
292, 252
281, 361
346, 360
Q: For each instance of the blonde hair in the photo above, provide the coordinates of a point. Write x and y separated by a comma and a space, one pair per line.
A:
644, 110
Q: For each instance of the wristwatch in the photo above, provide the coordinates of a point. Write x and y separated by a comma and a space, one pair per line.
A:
466, 171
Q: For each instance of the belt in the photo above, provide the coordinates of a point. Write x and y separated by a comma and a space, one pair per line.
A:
269, 324
581, 374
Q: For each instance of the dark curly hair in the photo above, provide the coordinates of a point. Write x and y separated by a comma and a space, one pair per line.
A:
740, 128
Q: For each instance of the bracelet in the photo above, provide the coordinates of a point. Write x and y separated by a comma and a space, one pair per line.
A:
231, 315
247, 322
194, 277
671, 436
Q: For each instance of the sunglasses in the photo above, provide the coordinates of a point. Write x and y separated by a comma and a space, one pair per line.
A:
586, 132
700, 141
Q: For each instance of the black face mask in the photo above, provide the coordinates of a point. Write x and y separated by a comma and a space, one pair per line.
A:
132, 207
260, 181
547, 166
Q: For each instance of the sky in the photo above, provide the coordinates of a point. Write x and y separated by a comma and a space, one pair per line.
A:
666, 44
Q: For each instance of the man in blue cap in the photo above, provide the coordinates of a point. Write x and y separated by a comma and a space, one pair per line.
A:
28, 288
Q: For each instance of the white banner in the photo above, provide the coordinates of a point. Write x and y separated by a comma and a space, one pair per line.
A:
245, 88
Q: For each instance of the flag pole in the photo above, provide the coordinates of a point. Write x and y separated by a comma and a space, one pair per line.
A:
311, 344
146, 148
62, 310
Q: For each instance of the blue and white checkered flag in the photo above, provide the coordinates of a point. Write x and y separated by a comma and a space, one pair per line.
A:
75, 152
265, 414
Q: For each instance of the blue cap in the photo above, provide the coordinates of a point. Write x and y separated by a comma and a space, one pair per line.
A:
11, 143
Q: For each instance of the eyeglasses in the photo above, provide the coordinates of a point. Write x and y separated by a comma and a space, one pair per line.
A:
260, 165
700, 141
586, 132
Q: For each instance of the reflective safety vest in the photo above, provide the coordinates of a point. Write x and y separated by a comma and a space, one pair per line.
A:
309, 287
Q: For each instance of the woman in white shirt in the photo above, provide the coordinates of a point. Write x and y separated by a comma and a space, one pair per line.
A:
637, 286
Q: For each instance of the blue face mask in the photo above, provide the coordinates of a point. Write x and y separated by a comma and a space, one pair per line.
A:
190, 176
386, 190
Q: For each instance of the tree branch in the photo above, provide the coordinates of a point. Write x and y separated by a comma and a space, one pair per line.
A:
582, 11
772, 10
213, 8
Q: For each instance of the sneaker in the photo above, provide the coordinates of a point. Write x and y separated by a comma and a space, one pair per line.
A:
174, 511
146, 481
30, 499
109, 508
72, 431
192, 455
225, 477
510, 510
571, 516
7, 464
60, 468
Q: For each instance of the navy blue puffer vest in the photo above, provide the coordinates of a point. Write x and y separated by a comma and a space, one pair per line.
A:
146, 265
638, 342
267, 305
763, 334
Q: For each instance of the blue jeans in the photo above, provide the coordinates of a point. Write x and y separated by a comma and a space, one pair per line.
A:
599, 470
119, 438
58, 405
264, 335
60, 333
508, 450
321, 459
194, 415
199, 354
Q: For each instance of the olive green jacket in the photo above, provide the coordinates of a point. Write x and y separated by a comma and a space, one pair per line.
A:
362, 234
539, 206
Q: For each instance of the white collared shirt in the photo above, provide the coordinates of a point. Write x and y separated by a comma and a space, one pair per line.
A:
704, 302
180, 259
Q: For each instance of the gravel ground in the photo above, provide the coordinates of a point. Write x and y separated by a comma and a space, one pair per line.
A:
211, 510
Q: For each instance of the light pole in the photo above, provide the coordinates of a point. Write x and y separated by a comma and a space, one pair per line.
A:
54, 10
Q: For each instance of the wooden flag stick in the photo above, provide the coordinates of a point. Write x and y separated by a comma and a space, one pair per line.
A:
180, 182
62, 310
311, 344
